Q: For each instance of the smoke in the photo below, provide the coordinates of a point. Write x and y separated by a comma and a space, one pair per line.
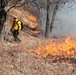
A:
66, 23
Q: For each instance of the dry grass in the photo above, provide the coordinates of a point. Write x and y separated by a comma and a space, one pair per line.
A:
16, 59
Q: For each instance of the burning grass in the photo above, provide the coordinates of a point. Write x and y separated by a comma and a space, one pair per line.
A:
30, 20
59, 51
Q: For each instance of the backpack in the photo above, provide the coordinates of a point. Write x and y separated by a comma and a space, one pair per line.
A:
21, 25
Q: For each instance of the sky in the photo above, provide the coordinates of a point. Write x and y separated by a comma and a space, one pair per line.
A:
65, 23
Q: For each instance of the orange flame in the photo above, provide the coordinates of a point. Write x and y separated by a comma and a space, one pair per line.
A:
32, 18
63, 51
36, 31
66, 48
33, 21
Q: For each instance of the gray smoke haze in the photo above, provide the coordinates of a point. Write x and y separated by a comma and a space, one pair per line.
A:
66, 23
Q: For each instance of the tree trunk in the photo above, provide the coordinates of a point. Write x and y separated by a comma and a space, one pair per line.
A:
47, 30
53, 17
49, 25
2, 20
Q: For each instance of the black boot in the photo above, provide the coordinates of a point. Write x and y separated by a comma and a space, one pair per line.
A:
17, 39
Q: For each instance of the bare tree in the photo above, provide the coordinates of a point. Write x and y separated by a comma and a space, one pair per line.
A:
49, 25
2, 18
5, 6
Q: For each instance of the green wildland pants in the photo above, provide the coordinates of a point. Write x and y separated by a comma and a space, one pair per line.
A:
15, 34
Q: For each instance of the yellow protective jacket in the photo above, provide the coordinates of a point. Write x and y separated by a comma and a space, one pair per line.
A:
16, 25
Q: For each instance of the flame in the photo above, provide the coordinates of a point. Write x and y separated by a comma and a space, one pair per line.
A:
36, 31
32, 18
33, 21
64, 49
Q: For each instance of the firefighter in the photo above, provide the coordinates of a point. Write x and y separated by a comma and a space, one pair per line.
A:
16, 28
